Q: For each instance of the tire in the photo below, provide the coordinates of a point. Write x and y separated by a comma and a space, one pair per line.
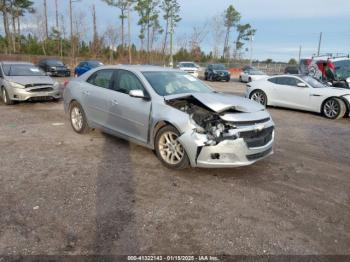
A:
249, 79
80, 128
166, 144
259, 96
5, 97
334, 108
206, 77
228, 80
240, 79
211, 78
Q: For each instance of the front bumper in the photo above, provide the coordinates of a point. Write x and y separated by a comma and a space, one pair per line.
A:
227, 153
221, 77
22, 94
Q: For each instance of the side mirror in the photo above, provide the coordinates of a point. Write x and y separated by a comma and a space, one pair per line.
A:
301, 85
137, 94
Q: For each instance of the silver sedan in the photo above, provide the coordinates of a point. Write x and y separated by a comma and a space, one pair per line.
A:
171, 112
22, 81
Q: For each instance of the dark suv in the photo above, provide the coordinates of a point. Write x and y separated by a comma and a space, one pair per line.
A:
217, 72
54, 67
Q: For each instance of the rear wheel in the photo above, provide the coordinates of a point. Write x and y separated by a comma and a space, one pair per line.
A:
169, 149
259, 96
249, 79
240, 79
78, 118
334, 108
5, 97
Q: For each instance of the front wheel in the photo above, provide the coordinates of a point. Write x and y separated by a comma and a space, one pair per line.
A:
169, 149
78, 118
5, 97
259, 96
334, 108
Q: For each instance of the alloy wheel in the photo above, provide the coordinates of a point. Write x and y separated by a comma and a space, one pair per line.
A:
4, 97
331, 108
170, 148
77, 118
259, 97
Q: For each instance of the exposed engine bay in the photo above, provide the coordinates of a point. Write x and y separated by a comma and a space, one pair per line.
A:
205, 120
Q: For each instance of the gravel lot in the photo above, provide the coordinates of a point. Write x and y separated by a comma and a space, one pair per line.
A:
64, 193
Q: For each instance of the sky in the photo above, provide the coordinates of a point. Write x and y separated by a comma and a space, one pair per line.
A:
282, 25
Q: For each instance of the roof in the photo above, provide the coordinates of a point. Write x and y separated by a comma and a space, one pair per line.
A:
142, 68
16, 63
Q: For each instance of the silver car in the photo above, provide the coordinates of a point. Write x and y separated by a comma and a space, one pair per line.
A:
21, 81
171, 112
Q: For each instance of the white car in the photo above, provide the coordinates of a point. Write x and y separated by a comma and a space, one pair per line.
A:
189, 67
300, 92
252, 74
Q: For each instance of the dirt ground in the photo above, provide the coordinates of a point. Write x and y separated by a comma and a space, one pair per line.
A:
64, 193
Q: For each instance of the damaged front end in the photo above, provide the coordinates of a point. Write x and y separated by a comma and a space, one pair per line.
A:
230, 136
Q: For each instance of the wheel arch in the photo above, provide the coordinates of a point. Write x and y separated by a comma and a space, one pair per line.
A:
262, 90
347, 104
159, 125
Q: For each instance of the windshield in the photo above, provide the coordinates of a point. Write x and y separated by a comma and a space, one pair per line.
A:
171, 83
187, 65
54, 63
95, 63
219, 67
22, 70
342, 69
313, 82
256, 72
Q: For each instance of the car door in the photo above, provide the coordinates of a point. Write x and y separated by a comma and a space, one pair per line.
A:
1, 77
208, 71
97, 96
78, 69
290, 95
245, 76
130, 115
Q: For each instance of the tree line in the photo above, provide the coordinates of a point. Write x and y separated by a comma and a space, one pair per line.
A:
157, 21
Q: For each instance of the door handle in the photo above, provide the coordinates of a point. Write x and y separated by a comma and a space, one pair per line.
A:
114, 101
314, 95
86, 93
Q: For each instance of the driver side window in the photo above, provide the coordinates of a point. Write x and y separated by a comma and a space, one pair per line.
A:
293, 81
127, 81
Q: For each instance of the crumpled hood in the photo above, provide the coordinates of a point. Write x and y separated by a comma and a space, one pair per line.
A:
220, 102
26, 80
